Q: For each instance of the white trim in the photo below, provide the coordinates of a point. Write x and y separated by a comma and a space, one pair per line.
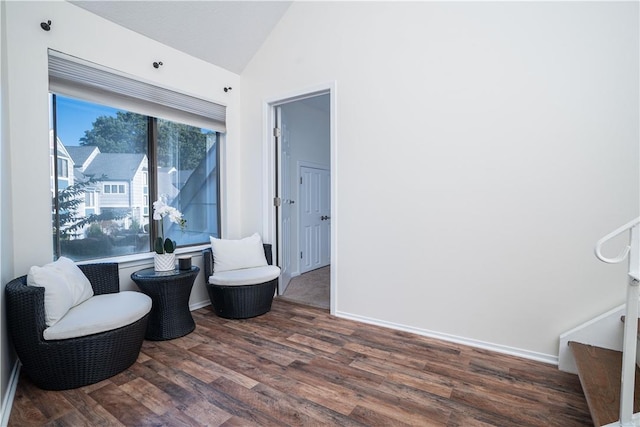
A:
498, 348
268, 181
315, 165
197, 305
7, 403
604, 331
223, 180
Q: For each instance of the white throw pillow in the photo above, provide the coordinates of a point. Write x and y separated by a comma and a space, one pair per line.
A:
65, 286
237, 254
81, 288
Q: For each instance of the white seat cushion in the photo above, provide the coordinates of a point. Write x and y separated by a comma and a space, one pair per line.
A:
245, 276
100, 313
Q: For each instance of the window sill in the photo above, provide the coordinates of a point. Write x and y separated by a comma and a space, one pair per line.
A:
146, 258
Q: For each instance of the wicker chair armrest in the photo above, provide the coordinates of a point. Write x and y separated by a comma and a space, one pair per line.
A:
267, 253
207, 261
25, 312
104, 277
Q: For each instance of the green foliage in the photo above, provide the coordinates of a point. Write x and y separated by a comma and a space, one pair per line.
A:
67, 223
179, 145
124, 133
135, 226
182, 144
158, 246
168, 246
91, 247
94, 230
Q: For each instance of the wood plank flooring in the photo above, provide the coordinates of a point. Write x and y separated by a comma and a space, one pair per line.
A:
299, 366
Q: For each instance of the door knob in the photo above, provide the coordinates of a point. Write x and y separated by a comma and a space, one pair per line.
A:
324, 217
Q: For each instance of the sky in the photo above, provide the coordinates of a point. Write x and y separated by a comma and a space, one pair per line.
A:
74, 117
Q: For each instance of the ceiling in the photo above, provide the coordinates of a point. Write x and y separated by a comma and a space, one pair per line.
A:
223, 33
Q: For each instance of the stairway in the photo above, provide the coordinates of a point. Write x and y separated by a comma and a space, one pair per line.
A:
610, 378
599, 370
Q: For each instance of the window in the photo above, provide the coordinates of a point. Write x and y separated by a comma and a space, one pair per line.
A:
63, 168
90, 199
112, 188
122, 162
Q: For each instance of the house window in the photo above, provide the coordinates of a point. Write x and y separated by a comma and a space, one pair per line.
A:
90, 199
113, 188
89, 224
63, 168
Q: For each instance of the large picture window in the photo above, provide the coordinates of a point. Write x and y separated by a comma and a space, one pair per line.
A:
127, 143
112, 164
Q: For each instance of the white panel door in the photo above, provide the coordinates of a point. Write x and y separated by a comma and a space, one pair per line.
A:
315, 218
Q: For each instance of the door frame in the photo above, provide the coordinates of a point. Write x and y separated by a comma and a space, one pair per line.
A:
269, 225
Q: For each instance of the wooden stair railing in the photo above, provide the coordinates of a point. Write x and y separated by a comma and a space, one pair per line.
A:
610, 378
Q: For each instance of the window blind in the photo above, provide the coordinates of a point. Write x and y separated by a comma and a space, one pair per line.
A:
91, 82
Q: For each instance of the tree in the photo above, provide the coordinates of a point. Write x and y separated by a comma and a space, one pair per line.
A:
186, 142
124, 133
67, 221
179, 145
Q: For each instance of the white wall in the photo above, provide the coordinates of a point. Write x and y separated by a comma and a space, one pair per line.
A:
308, 132
26, 200
482, 149
7, 355
80, 33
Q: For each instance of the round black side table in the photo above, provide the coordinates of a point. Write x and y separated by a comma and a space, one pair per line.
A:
169, 291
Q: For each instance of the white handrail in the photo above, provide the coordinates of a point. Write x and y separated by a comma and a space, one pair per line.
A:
625, 251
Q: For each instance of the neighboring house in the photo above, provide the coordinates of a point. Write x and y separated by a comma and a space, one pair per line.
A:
82, 155
65, 166
125, 185
66, 172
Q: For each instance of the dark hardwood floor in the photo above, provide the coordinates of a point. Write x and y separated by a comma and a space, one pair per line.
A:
297, 365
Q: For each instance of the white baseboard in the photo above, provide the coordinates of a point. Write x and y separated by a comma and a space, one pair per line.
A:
7, 403
498, 348
197, 305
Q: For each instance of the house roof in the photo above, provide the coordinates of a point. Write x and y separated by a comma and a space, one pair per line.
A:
80, 154
116, 166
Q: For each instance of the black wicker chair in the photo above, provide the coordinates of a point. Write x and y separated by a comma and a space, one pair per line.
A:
75, 362
239, 302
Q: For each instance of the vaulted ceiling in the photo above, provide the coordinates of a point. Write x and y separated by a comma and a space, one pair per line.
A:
224, 33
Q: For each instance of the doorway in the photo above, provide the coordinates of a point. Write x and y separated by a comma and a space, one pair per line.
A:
302, 144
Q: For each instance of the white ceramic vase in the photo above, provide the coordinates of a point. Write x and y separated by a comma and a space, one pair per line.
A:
164, 262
